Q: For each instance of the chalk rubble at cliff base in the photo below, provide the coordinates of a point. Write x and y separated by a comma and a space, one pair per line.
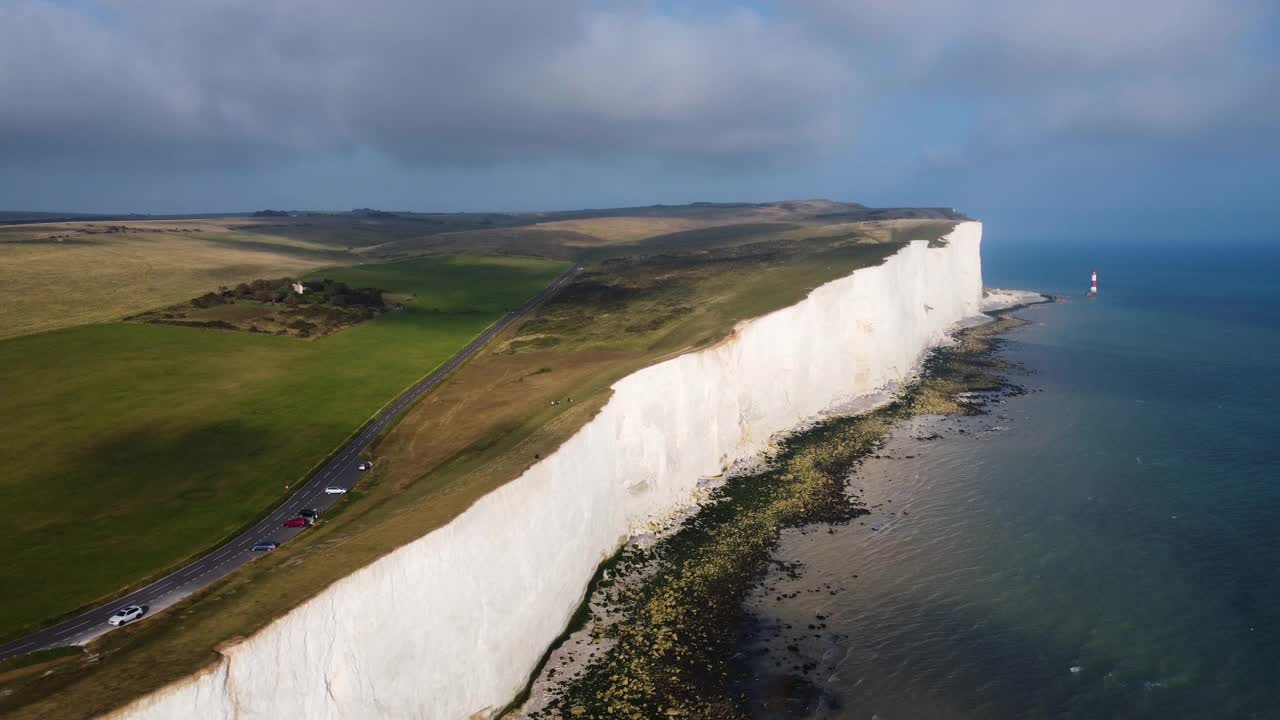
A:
452, 625
995, 299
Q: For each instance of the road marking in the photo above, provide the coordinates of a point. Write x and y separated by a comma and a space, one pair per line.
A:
70, 631
24, 645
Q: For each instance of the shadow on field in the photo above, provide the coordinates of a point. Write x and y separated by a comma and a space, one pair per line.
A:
194, 449
125, 509
275, 248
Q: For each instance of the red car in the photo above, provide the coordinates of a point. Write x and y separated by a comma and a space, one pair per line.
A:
297, 522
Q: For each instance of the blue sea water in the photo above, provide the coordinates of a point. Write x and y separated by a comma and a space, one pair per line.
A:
1105, 546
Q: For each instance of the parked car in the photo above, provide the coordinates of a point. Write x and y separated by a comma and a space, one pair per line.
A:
309, 513
335, 490
297, 522
265, 546
126, 615
366, 465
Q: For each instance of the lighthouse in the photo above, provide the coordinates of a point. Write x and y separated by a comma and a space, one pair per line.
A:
1093, 283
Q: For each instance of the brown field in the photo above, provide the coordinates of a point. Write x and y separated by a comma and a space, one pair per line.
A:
640, 226
59, 275
627, 229
530, 240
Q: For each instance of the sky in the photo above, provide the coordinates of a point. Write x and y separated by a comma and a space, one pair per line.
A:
1006, 108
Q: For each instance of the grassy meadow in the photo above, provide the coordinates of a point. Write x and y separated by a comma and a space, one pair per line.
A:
132, 447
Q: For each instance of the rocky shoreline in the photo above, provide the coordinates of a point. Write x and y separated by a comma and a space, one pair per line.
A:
656, 634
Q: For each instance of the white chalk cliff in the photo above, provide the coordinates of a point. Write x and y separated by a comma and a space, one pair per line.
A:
451, 625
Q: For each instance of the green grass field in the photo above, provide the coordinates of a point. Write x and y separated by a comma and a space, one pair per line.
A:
129, 448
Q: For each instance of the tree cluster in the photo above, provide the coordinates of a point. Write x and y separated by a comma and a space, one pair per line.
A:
340, 294
371, 213
315, 292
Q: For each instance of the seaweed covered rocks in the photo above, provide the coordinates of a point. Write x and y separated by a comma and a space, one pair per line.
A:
663, 620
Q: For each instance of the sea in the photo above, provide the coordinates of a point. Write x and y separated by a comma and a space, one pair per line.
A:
1106, 545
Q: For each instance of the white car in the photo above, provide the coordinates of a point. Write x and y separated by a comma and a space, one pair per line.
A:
335, 490
126, 615
364, 466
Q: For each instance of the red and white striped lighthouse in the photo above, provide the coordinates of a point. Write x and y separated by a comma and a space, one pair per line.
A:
1093, 283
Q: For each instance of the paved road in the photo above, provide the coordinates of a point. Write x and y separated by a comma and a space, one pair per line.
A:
340, 471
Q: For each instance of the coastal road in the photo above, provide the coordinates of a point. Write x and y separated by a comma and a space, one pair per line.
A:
341, 470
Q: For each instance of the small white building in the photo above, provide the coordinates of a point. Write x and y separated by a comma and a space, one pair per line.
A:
298, 288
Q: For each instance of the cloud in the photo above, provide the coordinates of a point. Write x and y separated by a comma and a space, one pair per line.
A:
227, 82
1069, 41
1154, 68
951, 100
1089, 103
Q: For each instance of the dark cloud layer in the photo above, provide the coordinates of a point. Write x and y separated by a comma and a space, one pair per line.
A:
310, 102
461, 81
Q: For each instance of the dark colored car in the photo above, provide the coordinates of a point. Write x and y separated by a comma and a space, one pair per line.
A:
265, 546
309, 513
297, 522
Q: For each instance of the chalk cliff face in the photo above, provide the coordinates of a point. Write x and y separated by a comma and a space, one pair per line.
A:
452, 625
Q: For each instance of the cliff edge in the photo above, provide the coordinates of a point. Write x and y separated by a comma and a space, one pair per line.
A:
452, 625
